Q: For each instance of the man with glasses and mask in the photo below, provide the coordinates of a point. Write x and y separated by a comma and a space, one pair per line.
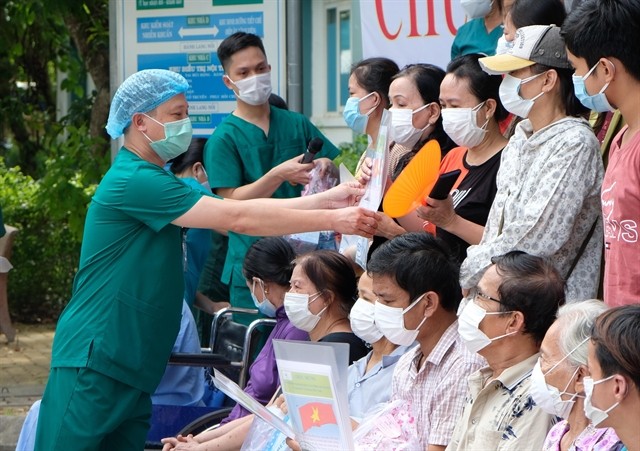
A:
515, 302
255, 152
415, 279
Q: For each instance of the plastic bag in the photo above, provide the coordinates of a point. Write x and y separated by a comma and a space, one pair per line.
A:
319, 183
389, 427
310, 241
262, 436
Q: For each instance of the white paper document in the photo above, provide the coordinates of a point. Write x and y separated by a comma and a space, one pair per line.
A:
234, 391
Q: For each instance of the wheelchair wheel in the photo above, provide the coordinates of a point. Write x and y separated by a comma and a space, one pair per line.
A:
205, 421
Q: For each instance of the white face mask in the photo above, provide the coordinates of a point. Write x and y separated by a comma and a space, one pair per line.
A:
362, 321
403, 131
390, 320
297, 307
254, 90
510, 95
265, 307
595, 414
468, 323
476, 8
462, 127
548, 397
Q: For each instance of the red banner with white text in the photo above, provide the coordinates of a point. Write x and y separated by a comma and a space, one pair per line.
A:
410, 31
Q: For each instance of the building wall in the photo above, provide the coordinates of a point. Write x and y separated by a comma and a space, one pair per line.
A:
331, 43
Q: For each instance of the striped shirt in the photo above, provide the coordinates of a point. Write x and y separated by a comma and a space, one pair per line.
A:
438, 389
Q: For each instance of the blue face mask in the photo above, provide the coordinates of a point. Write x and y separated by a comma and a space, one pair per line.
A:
265, 306
597, 102
352, 115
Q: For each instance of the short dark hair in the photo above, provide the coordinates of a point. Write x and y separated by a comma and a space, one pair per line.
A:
269, 259
605, 28
236, 42
537, 12
427, 78
331, 271
616, 338
419, 262
573, 106
481, 84
193, 155
375, 75
531, 285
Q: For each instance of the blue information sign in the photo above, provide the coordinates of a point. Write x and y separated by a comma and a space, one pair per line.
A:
192, 28
205, 78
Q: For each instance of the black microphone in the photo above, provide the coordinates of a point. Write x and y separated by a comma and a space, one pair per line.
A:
315, 145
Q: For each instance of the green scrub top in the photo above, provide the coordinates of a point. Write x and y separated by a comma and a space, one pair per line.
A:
239, 153
472, 37
125, 309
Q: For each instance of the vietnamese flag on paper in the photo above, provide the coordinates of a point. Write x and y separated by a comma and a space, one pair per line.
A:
316, 414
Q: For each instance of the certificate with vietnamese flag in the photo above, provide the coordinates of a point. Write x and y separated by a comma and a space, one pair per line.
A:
232, 390
313, 380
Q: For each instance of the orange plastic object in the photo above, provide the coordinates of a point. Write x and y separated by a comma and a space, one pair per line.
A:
414, 183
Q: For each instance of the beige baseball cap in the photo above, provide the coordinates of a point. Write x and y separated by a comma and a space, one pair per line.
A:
536, 44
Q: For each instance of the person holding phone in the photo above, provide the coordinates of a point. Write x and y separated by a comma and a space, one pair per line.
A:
471, 112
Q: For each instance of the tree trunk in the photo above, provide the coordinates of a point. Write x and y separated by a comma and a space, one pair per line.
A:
96, 60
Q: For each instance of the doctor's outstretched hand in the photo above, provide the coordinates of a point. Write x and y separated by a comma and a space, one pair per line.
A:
355, 221
343, 195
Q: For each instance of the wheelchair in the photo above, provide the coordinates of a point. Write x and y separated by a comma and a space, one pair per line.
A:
232, 348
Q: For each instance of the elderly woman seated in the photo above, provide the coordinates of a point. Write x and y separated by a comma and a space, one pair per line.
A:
557, 381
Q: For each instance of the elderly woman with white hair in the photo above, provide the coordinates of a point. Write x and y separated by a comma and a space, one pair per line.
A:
557, 381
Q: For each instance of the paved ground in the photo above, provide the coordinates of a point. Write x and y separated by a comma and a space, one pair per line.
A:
24, 368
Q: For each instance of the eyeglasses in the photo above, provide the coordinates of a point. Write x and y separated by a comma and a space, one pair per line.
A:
485, 296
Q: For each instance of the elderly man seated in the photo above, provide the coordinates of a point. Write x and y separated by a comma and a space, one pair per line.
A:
515, 303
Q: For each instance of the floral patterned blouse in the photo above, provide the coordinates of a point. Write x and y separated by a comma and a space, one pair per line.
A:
591, 439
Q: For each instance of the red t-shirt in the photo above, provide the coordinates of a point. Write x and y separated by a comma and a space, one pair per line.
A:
621, 213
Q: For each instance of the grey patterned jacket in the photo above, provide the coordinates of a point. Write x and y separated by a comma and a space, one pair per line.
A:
548, 199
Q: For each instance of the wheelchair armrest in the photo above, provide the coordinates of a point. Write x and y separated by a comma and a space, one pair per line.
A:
222, 314
205, 360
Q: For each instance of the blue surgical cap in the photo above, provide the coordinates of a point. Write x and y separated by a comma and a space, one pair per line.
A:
142, 92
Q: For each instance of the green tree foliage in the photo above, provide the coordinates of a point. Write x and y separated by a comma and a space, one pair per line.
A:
45, 253
350, 153
50, 165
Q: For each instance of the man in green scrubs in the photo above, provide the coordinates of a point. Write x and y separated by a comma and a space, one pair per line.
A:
114, 337
255, 151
